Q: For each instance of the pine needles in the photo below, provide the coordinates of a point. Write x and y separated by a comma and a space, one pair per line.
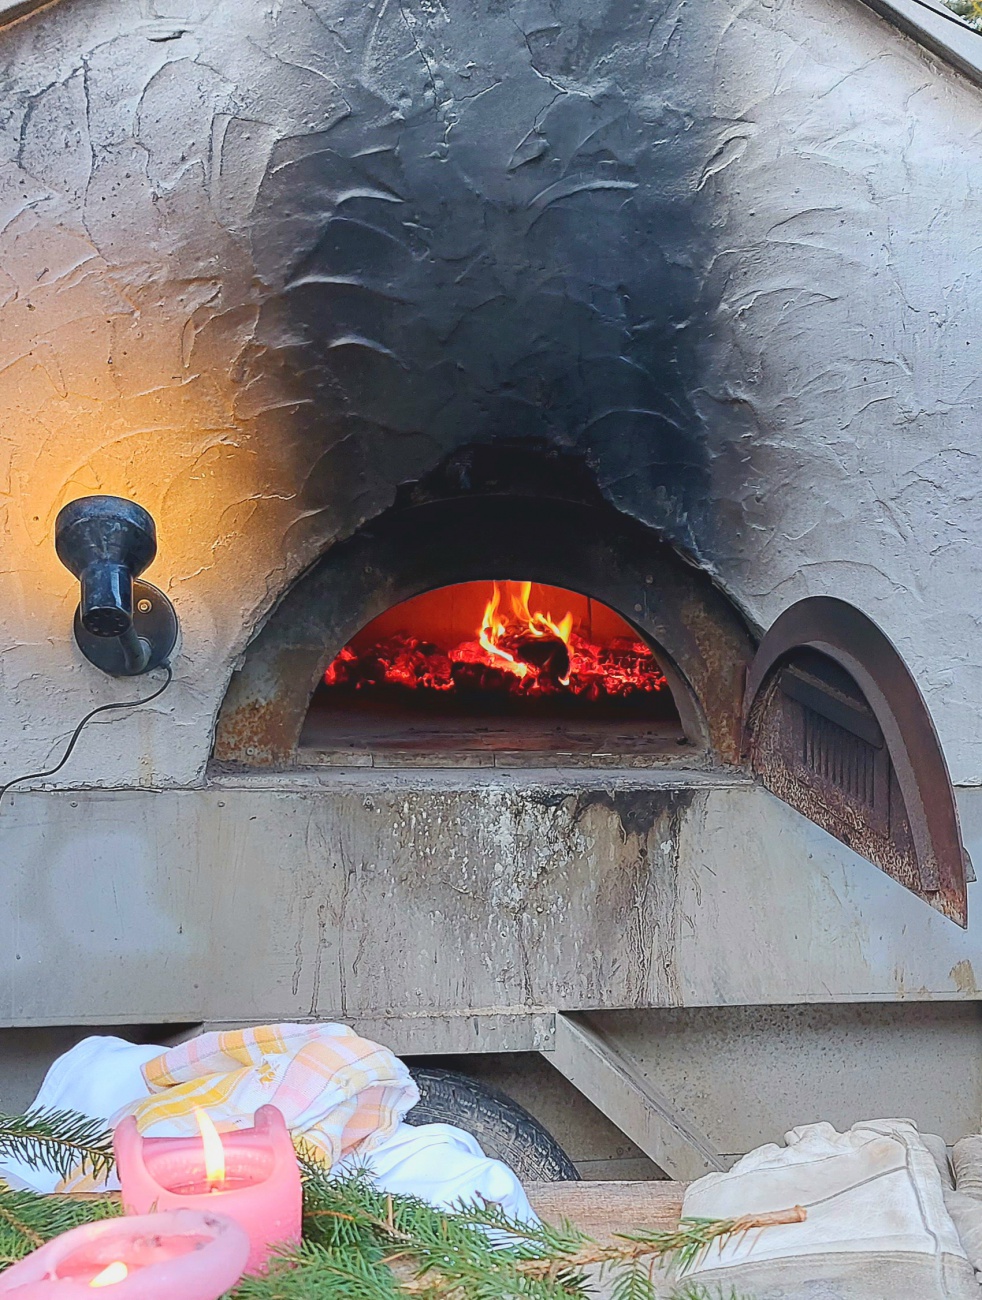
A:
57, 1140
362, 1244
406, 1247
28, 1220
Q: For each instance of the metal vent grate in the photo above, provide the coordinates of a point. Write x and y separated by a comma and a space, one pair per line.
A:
839, 757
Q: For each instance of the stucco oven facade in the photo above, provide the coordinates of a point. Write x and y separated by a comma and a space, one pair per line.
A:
266, 269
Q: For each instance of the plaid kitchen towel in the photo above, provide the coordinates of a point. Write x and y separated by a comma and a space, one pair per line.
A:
340, 1093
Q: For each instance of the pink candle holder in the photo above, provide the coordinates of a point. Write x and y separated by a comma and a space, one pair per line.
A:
181, 1255
259, 1188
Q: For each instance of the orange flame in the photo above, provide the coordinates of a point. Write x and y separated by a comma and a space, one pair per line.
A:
494, 627
213, 1149
491, 631
539, 624
112, 1273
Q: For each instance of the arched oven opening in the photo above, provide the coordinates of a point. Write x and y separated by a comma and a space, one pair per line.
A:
501, 608
493, 671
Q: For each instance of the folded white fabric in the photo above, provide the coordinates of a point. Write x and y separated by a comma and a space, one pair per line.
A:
877, 1226
443, 1165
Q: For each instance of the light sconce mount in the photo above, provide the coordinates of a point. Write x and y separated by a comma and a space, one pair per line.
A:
123, 626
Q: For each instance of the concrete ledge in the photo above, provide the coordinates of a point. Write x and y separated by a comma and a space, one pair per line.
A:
525, 1031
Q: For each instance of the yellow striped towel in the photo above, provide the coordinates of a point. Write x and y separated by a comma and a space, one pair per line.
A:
338, 1092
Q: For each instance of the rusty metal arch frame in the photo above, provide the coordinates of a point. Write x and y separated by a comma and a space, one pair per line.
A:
856, 644
705, 644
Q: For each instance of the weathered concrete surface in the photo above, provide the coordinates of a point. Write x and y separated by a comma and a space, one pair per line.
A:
261, 263
366, 896
745, 1075
594, 1063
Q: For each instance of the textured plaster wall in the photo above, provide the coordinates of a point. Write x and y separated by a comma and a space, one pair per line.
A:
261, 262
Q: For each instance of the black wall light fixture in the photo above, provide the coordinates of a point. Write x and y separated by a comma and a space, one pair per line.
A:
123, 626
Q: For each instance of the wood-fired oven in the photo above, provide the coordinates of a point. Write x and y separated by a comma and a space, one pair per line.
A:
502, 615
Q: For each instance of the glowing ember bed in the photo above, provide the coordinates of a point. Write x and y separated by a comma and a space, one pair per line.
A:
496, 666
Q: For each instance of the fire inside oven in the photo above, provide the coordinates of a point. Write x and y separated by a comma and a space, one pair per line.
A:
497, 665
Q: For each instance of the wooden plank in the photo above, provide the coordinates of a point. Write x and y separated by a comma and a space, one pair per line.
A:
612, 1081
604, 1209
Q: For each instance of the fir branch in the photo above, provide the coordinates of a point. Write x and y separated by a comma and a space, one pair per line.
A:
322, 1273
476, 1253
683, 1245
28, 1220
30, 1236
432, 1254
58, 1140
633, 1282
362, 1244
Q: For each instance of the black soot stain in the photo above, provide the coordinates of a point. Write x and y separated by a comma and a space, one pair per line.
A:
515, 250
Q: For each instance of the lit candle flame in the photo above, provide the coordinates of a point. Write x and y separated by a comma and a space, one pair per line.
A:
214, 1151
112, 1273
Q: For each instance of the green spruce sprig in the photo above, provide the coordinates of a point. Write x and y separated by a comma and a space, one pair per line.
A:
28, 1220
59, 1140
362, 1244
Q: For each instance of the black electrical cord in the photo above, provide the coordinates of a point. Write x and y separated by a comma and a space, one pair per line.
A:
103, 708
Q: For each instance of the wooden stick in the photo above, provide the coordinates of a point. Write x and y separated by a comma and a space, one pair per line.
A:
770, 1218
627, 1248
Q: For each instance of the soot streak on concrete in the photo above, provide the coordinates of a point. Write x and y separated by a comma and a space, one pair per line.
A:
638, 811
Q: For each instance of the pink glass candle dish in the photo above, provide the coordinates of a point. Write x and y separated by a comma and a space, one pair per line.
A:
180, 1255
252, 1177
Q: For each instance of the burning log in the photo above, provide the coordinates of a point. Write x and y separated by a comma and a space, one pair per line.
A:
549, 656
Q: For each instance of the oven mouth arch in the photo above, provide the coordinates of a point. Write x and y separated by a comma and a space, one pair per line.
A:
702, 642
501, 672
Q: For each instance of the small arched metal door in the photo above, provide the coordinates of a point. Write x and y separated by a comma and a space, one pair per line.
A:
834, 724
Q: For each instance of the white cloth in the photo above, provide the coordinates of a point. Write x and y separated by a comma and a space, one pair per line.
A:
443, 1165
436, 1162
877, 1224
